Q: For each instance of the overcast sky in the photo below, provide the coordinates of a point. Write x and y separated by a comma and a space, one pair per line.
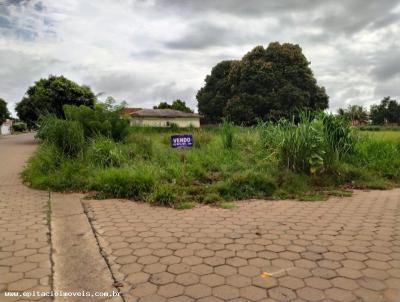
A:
145, 52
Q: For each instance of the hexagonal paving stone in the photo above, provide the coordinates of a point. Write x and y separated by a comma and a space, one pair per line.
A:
171, 290
225, 270
340, 295
192, 260
249, 271
212, 280
187, 279
225, 292
179, 268
22, 284
291, 282
310, 294
137, 278
281, 293
11, 277
238, 281
214, 261
349, 273
318, 283
198, 291
253, 293
24, 267
144, 289
170, 260
201, 269
155, 268
162, 278
131, 268
263, 282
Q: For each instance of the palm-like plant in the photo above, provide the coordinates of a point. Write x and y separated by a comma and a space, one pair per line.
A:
355, 113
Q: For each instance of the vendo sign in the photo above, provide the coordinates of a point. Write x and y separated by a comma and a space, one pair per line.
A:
182, 141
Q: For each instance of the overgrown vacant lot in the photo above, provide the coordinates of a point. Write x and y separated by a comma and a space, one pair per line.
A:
309, 160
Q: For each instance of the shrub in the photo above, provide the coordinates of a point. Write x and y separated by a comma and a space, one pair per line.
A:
105, 153
125, 182
67, 136
98, 121
19, 127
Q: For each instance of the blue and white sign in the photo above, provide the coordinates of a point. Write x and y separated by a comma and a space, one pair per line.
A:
182, 141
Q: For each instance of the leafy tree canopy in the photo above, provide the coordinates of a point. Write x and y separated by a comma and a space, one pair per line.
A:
4, 113
267, 83
388, 111
48, 96
176, 105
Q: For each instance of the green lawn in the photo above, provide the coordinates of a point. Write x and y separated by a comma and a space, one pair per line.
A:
383, 135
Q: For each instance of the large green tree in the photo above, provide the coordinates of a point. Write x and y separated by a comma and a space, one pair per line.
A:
4, 113
48, 96
176, 105
267, 83
388, 111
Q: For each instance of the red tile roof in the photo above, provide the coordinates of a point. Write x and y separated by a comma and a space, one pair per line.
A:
131, 110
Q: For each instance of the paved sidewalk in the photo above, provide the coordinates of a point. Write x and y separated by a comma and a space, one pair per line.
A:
339, 250
25, 263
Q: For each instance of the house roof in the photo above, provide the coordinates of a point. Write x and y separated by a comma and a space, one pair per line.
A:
163, 113
131, 110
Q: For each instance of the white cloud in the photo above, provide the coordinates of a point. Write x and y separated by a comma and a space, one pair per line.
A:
145, 52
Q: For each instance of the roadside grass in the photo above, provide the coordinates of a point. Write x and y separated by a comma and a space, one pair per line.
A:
309, 161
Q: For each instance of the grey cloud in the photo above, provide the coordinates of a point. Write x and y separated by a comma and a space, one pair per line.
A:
351, 44
19, 71
138, 90
342, 16
388, 88
387, 64
238, 7
202, 35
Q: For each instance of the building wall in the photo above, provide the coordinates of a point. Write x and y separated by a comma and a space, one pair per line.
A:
165, 122
5, 128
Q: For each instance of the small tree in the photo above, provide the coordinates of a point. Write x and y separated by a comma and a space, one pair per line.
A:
388, 111
48, 96
4, 113
176, 105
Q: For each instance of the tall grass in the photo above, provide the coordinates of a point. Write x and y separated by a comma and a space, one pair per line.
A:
227, 134
67, 136
312, 145
287, 159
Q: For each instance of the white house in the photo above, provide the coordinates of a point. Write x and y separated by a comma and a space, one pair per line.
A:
6, 127
164, 118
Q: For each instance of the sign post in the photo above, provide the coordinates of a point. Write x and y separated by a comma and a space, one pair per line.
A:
182, 141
